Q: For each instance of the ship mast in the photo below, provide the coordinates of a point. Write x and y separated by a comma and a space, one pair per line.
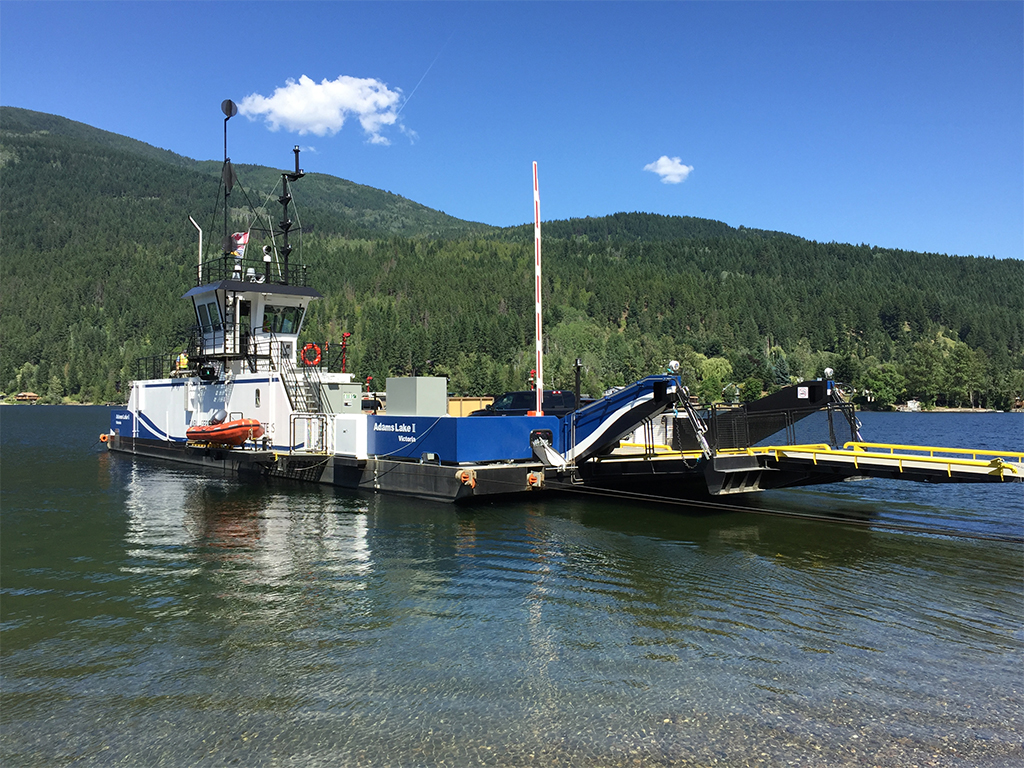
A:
286, 223
230, 109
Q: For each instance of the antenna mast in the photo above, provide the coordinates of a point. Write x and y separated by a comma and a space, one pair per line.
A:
230, 109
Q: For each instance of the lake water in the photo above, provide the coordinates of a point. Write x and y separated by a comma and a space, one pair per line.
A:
156, 615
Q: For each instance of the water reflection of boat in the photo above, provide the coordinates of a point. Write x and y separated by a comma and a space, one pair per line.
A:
181, 522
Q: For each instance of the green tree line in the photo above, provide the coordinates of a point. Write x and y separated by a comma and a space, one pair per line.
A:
945, 330
96, 252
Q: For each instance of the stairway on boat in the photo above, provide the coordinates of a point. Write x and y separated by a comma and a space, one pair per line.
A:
303, 386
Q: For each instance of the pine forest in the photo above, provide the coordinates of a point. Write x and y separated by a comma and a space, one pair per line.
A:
97, 250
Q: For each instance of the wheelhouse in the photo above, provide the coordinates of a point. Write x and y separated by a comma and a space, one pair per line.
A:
250, 324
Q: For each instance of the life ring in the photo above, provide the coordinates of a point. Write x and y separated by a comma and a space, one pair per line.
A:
306, 360
104, 437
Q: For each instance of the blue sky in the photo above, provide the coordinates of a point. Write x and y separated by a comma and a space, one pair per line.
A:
894, 124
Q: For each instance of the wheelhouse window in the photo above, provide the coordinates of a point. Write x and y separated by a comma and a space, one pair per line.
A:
209, 316
278, 319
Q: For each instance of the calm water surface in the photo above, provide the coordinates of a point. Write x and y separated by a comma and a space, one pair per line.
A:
153, 615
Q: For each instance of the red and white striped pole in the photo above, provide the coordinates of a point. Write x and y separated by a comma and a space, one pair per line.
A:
539, 383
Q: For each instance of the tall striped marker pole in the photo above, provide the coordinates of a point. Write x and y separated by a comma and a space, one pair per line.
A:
539, 383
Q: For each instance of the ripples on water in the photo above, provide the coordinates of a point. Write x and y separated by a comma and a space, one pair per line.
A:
155, 615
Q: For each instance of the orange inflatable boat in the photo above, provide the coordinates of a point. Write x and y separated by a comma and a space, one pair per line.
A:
229, 433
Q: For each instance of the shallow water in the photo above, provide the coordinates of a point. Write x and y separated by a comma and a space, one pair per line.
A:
152, 615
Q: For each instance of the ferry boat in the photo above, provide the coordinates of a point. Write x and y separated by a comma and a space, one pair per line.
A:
242, 395
285, 414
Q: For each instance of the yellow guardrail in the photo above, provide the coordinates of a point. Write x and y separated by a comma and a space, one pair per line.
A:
761, 449
995, 461
996, 464
1017, 456
657, 447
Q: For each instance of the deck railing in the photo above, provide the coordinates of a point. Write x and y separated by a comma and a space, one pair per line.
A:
248, 270
732, 427
260, 350
154, 367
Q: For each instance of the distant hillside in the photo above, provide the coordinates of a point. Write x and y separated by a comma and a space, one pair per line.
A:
96, 251
338, 206
373, 211
625, 227
15, 122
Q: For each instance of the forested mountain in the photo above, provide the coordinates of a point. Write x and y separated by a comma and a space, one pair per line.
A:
96, 250
24, 122
340, 206
626, 227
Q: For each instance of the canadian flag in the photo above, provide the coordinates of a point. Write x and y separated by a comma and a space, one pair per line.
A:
241, 240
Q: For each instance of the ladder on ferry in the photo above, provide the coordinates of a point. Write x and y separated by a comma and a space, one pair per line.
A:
304, 388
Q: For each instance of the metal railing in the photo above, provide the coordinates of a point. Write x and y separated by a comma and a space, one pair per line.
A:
734, 428
155, 367
235, 341
248, 270
932, 451
304, 387
868, 456
308, 430
215, 343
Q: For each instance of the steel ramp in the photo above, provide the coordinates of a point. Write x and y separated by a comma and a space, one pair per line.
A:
822, 463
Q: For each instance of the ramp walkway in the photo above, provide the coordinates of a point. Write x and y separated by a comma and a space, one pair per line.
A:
909, 462
739, 470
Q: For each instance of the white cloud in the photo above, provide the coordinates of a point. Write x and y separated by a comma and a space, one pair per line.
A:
322, 108
671, 169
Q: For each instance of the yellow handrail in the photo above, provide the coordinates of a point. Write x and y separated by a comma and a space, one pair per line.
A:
931, 451
996, 460
757, 449
997, 463
656, 447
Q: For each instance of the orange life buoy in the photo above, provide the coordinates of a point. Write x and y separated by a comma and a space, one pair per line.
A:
306, 360
104, 437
